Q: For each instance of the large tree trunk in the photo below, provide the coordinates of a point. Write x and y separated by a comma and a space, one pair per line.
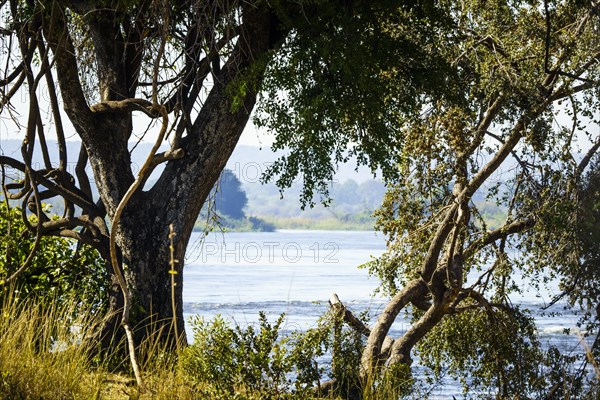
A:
176, 199
184, 185
146, 263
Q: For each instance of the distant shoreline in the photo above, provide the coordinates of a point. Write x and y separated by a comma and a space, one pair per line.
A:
272, 224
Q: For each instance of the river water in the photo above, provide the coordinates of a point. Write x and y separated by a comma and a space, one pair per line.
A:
237, 275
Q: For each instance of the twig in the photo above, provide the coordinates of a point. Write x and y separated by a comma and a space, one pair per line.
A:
173, 272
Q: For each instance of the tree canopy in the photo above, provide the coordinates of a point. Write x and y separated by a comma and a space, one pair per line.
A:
495, 99
230, 198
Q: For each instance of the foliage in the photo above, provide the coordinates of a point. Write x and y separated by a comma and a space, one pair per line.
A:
267, 361
229, 196
512, 121
349, 200
60, 272
444, 97
489, 351
343, 84
581, 284
237, 362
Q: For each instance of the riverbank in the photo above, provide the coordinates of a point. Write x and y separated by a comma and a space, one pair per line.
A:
271, 224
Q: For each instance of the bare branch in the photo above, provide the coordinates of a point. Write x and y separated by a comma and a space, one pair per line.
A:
13, 90
343, 312
59, 39
72, 196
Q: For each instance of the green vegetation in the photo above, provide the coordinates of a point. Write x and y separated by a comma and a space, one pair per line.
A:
226, 208
488, 164
45, 354
57, 269
481, 116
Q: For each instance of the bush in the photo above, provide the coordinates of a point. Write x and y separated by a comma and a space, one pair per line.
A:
261, 362
239, 363
59, 271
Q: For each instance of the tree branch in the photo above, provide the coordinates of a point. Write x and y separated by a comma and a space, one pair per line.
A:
500, 233
373, 350
59, 39
126, 106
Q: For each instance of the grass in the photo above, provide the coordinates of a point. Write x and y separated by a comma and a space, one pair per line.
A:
45, 354
42, 356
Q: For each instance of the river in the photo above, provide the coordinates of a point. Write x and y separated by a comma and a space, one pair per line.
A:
237, 275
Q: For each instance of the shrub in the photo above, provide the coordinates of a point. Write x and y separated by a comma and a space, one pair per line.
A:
266, 362
238, 362
59, 271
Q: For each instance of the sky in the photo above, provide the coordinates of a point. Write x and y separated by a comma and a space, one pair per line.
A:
252, 136
9, 129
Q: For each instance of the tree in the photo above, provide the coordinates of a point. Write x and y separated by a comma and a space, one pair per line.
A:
230, 198
505, 71
191, 67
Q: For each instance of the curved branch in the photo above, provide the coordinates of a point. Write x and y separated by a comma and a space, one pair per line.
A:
402, 347
126, 105
113, 248
74, 197
373, 350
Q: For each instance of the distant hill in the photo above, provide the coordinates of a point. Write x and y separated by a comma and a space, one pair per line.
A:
355, 194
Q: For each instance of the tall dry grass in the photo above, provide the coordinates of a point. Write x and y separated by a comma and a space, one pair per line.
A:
44, 353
